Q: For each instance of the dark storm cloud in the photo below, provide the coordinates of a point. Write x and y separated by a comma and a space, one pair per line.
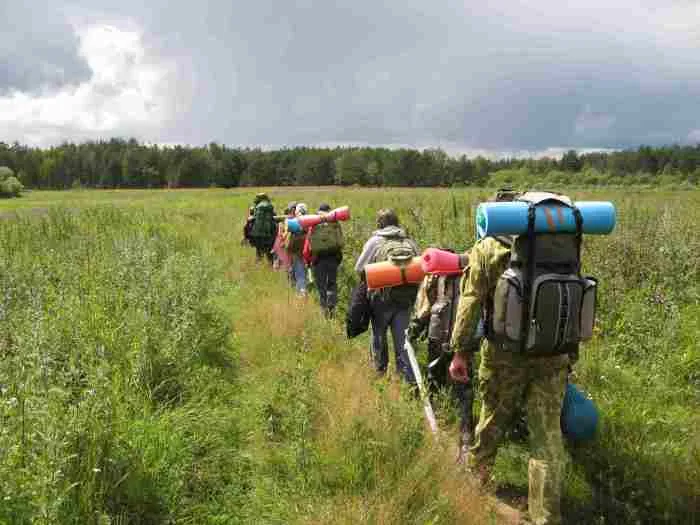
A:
496, 75
38, 48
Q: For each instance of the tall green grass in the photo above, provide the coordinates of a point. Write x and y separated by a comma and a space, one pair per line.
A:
150, 372
108, 336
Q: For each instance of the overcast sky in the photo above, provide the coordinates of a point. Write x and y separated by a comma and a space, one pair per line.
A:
510, 76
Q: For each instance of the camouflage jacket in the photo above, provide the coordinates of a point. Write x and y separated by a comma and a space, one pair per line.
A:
488, 259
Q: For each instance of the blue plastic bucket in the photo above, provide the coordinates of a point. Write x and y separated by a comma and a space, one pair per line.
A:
579, 415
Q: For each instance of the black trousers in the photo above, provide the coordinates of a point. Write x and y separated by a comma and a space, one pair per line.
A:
263, 248
326, 277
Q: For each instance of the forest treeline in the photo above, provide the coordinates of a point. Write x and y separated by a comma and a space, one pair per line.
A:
119, 163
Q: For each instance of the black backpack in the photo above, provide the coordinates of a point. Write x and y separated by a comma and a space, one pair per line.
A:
542, 305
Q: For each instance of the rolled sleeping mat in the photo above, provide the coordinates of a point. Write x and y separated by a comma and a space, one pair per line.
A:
387, 274
294, 226
308, 221
338, 214
510, 218
442, 262
579, 415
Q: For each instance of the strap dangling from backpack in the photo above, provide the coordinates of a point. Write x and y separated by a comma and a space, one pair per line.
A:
579, 238
527, 285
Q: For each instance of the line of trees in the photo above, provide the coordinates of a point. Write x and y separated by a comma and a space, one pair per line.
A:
119, 163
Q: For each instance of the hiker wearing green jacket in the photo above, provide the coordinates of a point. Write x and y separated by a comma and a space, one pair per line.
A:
505, 377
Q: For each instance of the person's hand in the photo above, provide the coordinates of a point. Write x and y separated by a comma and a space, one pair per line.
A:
414, 331
459, 370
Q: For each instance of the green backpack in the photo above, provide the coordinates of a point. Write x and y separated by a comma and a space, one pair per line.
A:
264, 226
398, 250
326, 239
542, 305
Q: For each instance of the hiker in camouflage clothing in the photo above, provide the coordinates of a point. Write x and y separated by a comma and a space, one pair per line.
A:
505, 376
391, 307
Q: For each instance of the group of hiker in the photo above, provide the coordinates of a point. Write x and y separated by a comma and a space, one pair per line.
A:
319, 248
519, 301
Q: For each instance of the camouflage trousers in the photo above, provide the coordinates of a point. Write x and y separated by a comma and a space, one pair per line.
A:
505, 379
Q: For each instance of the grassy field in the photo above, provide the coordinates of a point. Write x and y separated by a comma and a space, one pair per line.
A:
150, 372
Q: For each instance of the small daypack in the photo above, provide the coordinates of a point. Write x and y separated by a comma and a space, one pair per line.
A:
264, 225
444, 311
542, 305
326, 238
398, 250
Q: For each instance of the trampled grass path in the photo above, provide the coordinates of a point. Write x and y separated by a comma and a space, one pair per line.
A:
343, 446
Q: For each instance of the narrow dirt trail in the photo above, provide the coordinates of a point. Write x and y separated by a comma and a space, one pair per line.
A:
359, 441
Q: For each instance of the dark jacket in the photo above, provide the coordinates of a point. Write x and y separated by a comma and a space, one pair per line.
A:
359, 311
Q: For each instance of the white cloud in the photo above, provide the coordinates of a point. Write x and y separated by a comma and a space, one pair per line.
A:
128, 93
500, 76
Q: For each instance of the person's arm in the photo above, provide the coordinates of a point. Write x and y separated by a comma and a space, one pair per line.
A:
474, 289
422, 307
368, 252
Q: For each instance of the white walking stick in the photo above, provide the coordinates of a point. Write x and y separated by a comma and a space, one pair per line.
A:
427, 407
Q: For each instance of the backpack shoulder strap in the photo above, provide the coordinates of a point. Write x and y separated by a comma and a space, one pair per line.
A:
505, 240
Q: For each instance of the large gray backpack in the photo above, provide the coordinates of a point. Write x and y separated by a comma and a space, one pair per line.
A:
542, 305
399, 250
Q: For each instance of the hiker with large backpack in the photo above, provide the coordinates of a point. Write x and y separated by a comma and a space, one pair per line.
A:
433, 318
323, 252
264, 228
536, 308
390, 307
